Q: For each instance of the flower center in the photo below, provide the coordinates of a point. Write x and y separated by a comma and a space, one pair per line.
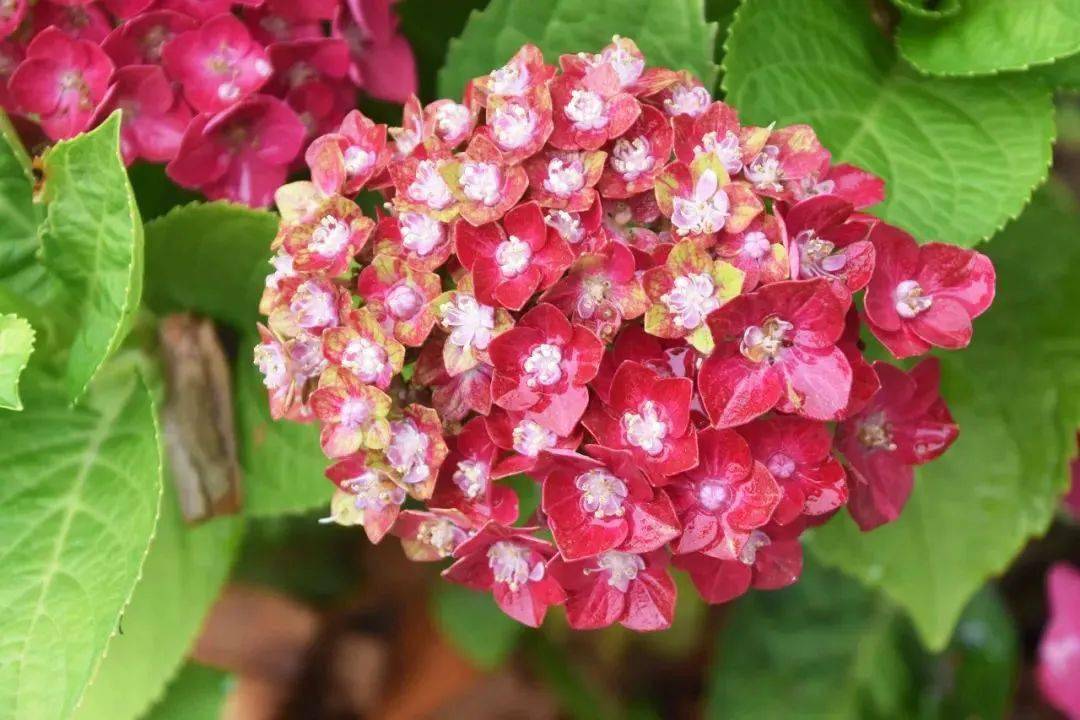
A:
725, 149
480, 182
703, 213
364, 359
765, 341
511, 79
471, 477
756, 541
403, 301
531, 438
513, 255
764, 169
874, 434
631, 158
691, 299
626, 65
358, 160
306, 354
471, 323
621, 568
816, 258
566, 224
513, 125
594, 293
602, 494
330, 237
645, 429
407, 451
420, 233
687, 100
781, 466
565, 175
429, 187
441, 535
509, 563
270, 360
372, 493
313, 306
542, 366
910, 300
712, 494
451, 121
355, 411
586, 110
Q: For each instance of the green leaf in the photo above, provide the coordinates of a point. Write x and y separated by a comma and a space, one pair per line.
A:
92, 240
935, 9
822, 648
16, 344
1062, 75
474, 624
210, 258
197, 693
283, 461
1016, 396
183, 574
960, 157
672, 33
21, 271
78, 505
989, 36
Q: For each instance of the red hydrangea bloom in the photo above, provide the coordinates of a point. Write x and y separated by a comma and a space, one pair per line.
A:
330, 239
311, 60
416, 450
701, 200
431, 536
906, 424
601, 291
142, 39
864, 380
716, 132
512, 259
590, 108
154, 116
511, 563
789, 155
217, 63
776, 348
798, 454
604, 503
564, 179
543, 365
526, 438
925, 296
518, 125
400, 296
484, 185
637, 158
649, 416
1059, 647
454, 396
470, 326
771, 559
448, 124
347, 160
382, 59
353, 415
724, 498
467, 479
855, 185
634, 345
825, 242
369, 496
685, 290
84, 21
521, 74
359, 346
420, 240
634, 590
61, 79
760, 250
241, 154
684, 95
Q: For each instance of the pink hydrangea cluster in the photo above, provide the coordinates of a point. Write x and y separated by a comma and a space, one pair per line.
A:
227, 93
598, 277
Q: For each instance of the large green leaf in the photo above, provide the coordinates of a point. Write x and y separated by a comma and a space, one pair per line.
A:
20, 269
823, 648
79, 496
92, 240
283, 461
672, 33
989, 36
183, 573
1016, 395
960, 156
16, 344
475, 624
197, 693
210, 258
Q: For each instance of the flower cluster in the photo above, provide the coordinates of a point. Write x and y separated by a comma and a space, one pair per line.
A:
227, 93
598, 277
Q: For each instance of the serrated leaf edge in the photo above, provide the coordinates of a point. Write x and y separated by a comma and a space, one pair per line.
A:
19, 371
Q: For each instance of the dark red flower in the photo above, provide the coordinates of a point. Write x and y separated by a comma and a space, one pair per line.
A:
925, 296
154, 116
776, 348
638, 156
511, 563
634, 590
649, 416
770, 560
431, 536
906, 424
453, 396
823, 241
466, 480
527, 439
141, 39
564, 179
590, 109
